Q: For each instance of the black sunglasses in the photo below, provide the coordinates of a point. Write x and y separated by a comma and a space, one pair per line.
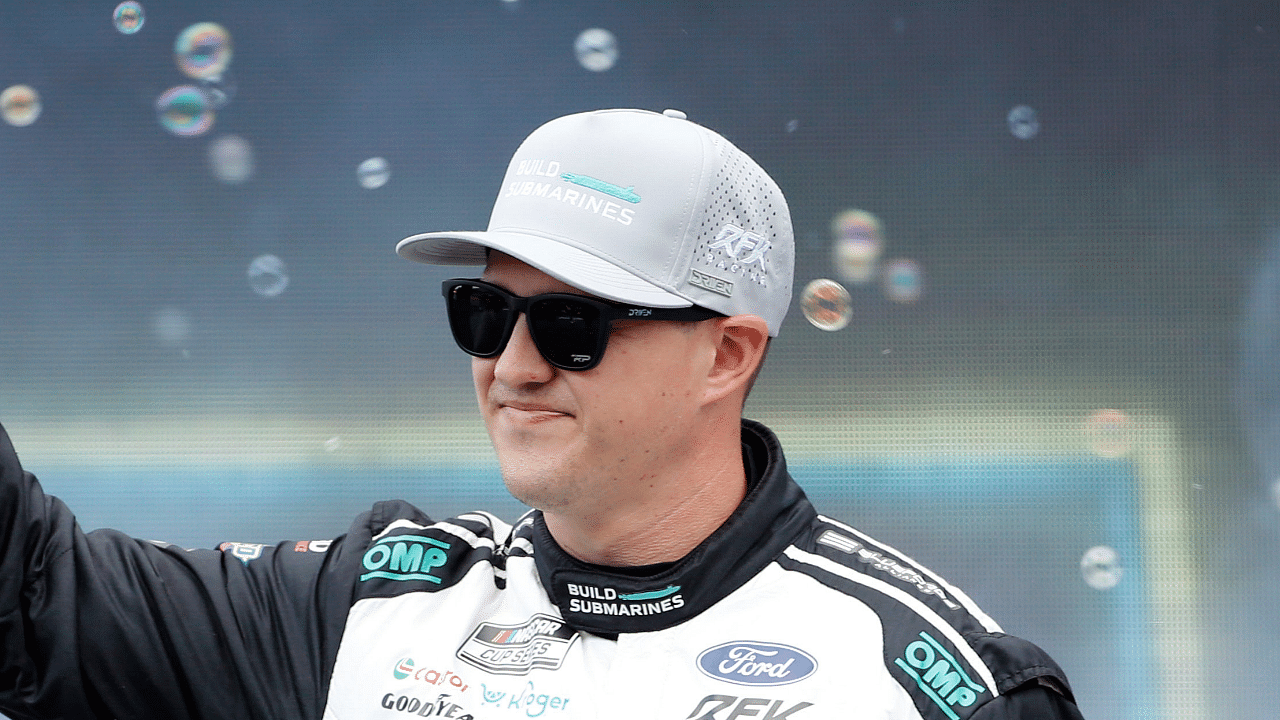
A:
570, 331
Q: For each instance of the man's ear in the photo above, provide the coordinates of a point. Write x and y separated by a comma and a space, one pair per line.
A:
740, 348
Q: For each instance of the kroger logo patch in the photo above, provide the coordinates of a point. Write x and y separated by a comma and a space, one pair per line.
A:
756, 663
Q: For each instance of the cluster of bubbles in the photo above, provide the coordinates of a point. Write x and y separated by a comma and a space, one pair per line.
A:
1023, 122
597, 49
856, 249
1100, 567
128, 17
20, 105
203, 53
1110, 433
268, 276
373, 173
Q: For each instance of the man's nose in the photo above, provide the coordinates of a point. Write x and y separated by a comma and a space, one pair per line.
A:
520, 362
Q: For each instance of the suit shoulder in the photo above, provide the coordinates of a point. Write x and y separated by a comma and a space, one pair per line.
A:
406, 551
948, 655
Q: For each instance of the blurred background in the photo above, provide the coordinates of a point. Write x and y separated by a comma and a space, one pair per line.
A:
1042, 362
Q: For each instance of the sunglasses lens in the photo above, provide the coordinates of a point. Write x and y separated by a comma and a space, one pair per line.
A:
568, 332
479, 318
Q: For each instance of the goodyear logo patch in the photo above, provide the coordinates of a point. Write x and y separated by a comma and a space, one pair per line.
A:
939, 675
405, 557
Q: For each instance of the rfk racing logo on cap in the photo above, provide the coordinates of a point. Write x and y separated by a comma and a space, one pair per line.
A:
539, 642
741, 252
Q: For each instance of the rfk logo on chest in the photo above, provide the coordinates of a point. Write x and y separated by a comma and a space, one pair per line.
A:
725, 707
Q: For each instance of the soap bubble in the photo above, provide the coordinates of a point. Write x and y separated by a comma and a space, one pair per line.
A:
333, 444
855, 260
128, 17
171, 326
20, 105
231, 159
268, 276
597, 49
1110, 433
373, 173
184, 111
826, 304
903, 281
203, 50
856, 245
1023, 123
1100, 567
1275, 493
793, 125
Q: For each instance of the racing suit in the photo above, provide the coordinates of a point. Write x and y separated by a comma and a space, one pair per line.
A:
781, 614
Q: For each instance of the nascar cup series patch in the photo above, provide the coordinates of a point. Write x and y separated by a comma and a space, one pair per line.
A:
541, 641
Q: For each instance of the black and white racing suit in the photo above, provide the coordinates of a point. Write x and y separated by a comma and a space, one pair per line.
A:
782, 614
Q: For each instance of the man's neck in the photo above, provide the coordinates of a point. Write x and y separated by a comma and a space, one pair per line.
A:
702, 496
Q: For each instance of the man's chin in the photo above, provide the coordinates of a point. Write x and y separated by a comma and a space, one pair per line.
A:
537, 490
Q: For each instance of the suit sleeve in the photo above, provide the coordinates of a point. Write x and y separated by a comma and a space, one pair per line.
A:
100, 625
1030, 702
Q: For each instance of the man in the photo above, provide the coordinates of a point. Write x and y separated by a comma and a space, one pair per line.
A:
635, 266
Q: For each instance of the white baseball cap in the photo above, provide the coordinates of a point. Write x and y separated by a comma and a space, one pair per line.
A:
640, 207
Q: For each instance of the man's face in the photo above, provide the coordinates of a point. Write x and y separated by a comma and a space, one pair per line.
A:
594, 442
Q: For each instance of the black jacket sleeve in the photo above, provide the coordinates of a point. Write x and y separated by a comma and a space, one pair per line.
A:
1030, 702
99, 625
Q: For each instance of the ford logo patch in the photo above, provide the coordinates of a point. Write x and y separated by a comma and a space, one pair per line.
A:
756, 663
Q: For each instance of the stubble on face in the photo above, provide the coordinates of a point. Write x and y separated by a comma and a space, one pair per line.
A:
586, 443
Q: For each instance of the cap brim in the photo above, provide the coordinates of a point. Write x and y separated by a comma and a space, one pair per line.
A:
564, 262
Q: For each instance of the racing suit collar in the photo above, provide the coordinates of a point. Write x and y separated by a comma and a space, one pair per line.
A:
601, 601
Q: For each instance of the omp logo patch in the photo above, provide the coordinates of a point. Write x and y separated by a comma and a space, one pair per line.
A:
940, 676
405, 557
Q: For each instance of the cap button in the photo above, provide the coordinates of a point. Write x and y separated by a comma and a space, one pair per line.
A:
675, 114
